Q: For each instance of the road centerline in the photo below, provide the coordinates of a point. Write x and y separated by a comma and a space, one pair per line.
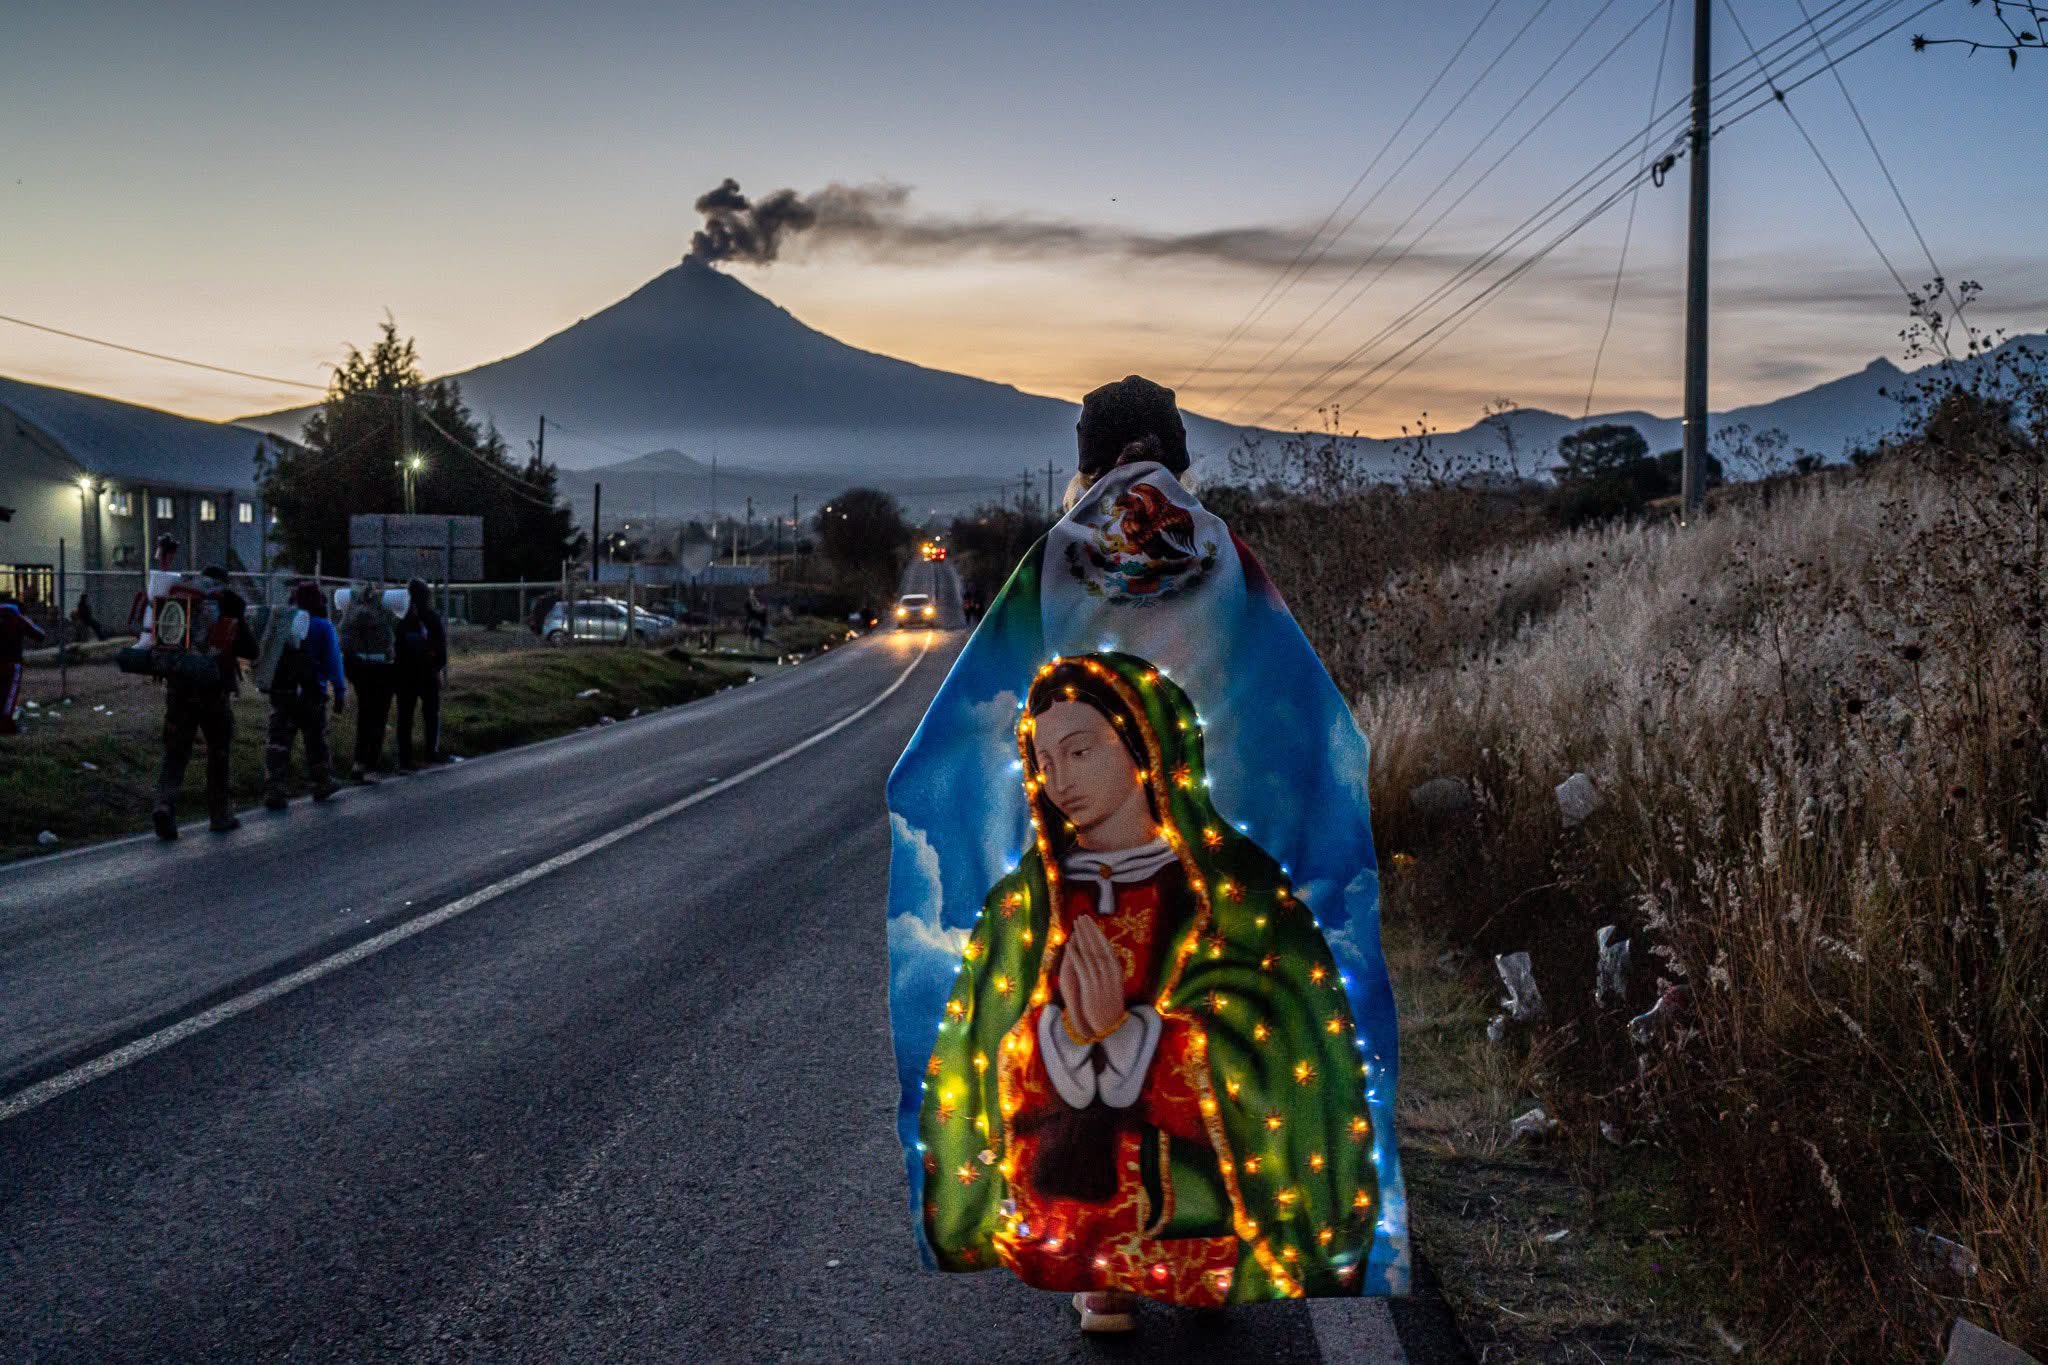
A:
31, 1097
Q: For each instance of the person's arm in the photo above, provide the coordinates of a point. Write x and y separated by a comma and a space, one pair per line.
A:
30, 627
326, 651
438, 630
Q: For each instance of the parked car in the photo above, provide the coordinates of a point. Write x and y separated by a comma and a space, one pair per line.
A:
602, 618
915, 609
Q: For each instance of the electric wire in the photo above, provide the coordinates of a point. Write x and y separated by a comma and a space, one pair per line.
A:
1826, 169
1258, 365
1859, 14
1466, 193
1281, 282
1898, 195
1628, 232
1676, 113
159, 355
1471, 306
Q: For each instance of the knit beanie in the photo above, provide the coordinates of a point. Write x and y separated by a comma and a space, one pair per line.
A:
1132, 409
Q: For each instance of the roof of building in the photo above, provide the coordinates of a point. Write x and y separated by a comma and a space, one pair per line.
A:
133, 444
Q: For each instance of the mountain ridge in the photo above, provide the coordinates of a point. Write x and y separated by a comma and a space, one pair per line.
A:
696, 361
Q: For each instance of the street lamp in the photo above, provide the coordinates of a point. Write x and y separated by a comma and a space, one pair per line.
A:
409, 469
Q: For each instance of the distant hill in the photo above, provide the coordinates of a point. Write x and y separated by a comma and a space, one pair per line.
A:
694, 361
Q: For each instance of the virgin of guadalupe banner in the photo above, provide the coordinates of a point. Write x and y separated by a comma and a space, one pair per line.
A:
1141, 1018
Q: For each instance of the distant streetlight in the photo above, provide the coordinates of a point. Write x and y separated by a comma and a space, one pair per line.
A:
408, 471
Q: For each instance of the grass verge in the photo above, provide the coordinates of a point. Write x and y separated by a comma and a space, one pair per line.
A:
87, 770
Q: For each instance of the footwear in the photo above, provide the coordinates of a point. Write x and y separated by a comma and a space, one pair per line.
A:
1106, 1312
275, 801
166, 823
363, 775
324, 788
222, 824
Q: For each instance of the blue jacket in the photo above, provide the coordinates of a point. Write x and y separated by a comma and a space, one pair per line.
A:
323, 651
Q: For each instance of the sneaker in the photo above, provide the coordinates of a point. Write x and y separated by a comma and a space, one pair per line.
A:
275, 801
324, 788
363, 775
222, 824
166, 823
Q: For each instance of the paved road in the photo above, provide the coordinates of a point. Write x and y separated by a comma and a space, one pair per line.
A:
636, 1103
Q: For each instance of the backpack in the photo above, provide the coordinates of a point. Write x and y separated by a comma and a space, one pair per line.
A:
190, 635
280, 656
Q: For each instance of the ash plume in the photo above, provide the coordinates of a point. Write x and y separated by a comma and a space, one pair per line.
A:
737, 229
878, 221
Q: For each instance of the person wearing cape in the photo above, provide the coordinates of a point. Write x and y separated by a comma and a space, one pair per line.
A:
1142, 1023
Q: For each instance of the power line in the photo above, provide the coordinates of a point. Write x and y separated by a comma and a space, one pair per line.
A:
1470, 307
1897, 195
516, 485
1258, 365
1260, 308
1814, 147
1483, 176
1635, 192
159, 355
1587, 184
1790, 35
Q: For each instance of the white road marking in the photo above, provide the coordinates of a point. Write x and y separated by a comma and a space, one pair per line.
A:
21, 1101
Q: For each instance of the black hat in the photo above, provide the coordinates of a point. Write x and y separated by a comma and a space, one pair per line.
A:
214, 572
1131, 410
167, 543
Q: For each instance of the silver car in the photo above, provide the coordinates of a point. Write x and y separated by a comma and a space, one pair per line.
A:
602, 618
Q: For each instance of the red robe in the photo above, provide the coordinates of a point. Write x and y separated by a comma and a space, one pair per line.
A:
1071, 1245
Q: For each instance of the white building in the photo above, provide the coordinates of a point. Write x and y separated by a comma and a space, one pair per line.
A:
106, 478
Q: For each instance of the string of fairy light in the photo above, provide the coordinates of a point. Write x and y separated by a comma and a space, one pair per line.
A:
1286, 1199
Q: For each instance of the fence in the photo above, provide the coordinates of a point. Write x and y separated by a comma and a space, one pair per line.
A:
51, 597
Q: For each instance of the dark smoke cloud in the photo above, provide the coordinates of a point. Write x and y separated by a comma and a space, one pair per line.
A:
736, 229
877, 219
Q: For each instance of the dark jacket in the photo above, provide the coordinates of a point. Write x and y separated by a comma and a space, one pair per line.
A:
15, 631
422, 642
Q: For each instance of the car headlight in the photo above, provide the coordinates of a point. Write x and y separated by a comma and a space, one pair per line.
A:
928, 611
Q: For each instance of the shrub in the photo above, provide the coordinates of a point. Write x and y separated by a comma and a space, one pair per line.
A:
1817, 724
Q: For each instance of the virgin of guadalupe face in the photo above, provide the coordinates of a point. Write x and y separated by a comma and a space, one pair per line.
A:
1090, 777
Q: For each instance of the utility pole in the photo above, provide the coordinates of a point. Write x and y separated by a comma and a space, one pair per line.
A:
796, 538
1691, 486
750, 529
596, 540
540, 442
1048, 488
1024, 491
714, 507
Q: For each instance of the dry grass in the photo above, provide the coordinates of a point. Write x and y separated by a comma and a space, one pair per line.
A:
1817, 727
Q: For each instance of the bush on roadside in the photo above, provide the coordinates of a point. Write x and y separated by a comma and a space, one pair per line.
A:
1817, 725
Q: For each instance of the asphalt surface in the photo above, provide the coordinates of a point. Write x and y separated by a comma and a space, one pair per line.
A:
636, 1106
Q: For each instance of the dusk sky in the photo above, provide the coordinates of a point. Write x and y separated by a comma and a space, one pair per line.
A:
255, 185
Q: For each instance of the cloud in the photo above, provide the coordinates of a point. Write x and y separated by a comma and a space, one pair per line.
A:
916, 904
